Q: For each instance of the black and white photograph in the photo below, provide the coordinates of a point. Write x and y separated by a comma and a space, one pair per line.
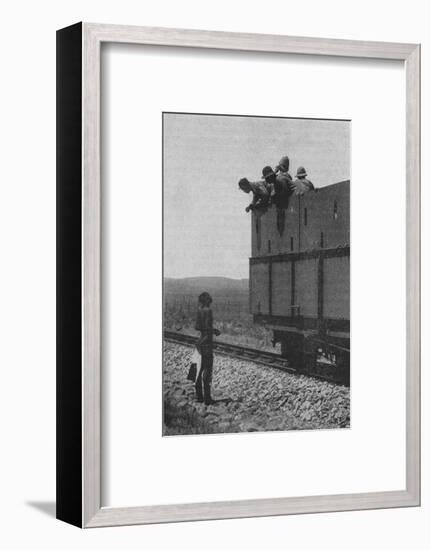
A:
256, 273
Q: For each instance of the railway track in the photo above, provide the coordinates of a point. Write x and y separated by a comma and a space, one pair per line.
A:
261, 357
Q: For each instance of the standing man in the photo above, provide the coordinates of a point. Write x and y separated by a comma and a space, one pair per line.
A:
204, 324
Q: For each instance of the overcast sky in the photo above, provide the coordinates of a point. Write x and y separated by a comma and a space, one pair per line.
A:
206, 230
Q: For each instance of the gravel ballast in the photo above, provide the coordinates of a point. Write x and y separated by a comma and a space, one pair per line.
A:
249, 398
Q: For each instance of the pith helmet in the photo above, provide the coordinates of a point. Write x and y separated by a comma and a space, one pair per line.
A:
267, 171
285, 162
301, 173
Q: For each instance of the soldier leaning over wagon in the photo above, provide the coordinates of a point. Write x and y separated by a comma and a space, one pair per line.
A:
301, 182
283, 189
261, 194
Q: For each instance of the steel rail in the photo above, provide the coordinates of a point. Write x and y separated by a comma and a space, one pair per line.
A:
261, 357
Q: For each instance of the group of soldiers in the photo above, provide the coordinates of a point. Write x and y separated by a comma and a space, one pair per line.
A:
275, 187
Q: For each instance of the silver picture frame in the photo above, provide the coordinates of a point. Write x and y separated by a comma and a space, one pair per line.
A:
79, 274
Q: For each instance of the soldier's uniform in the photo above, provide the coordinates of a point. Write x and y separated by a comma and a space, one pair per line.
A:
261, 194
283, 190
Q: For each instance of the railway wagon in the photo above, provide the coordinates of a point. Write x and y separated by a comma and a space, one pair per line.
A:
300, 280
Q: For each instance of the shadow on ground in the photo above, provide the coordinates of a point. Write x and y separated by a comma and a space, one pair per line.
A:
46, 507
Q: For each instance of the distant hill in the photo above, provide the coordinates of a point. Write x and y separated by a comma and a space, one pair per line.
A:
218, 287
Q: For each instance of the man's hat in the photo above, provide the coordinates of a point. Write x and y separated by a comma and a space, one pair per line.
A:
284, 161
301, 173
267, 171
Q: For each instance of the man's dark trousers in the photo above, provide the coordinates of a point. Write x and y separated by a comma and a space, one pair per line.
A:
204, 379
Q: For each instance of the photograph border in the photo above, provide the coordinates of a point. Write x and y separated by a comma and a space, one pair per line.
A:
79, 273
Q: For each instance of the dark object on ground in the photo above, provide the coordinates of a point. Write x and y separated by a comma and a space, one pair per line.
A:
193, 371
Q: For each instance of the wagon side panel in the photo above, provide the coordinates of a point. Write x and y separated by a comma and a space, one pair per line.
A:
259, 295
274, 232
288, 241
325, 217
281, 288
306, 287
336, 288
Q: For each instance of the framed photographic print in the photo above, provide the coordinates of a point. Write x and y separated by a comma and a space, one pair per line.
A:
237, 275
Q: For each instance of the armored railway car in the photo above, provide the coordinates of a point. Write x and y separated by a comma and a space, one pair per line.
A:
300, 279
